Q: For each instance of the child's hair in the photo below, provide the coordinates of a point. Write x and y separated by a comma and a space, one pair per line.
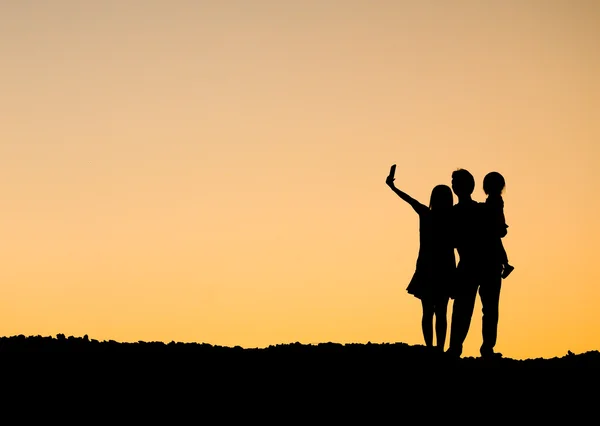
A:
441, 197
493, 183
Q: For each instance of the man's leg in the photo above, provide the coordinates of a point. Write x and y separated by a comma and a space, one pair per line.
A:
489, 291
462, 311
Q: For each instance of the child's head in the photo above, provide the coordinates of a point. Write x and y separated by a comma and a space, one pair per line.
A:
463, 182
493, 183
441, 197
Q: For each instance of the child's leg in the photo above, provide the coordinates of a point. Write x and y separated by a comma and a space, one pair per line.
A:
507, 269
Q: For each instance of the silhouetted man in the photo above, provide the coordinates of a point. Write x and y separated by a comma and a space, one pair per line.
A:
478, 268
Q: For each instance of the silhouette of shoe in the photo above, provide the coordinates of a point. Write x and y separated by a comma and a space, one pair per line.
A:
453, 353
491, 355
507, 270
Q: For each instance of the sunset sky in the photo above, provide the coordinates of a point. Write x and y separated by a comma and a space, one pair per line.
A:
214, 171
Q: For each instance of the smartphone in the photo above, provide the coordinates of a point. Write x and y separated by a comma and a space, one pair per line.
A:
393, 171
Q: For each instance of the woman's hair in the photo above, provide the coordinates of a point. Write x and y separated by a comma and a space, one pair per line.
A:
441, 197
493, 183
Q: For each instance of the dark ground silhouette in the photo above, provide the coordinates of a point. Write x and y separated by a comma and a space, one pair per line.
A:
327, 383
370, 355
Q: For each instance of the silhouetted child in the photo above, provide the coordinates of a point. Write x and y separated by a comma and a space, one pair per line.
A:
433, 279
493, 186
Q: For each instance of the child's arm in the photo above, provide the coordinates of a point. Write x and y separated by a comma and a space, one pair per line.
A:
503, 226
500, 226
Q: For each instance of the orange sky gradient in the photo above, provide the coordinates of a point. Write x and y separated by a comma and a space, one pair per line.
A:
214, 172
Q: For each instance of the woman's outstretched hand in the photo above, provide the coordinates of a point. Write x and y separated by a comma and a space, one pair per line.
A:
390, 179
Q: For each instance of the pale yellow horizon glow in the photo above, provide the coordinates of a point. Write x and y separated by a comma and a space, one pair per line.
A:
214, 171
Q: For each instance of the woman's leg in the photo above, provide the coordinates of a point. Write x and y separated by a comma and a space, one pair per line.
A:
427, 322
441, 323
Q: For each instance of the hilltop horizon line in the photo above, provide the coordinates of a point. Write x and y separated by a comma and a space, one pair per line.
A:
60, 340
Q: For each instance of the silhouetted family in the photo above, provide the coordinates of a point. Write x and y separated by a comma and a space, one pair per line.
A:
475, 230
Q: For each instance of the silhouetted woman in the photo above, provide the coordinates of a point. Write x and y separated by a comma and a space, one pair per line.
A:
433, 279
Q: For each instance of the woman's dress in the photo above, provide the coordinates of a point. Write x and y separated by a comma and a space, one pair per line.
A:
433, 278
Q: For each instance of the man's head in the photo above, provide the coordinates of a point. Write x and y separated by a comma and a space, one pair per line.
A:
463, 183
